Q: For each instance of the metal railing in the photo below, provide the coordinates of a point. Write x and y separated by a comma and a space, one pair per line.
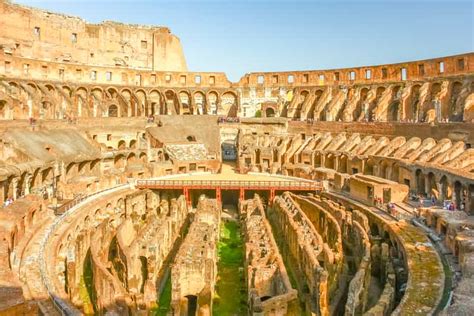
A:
229, 184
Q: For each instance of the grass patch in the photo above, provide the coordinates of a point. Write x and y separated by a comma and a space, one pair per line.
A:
230, 297
164, 303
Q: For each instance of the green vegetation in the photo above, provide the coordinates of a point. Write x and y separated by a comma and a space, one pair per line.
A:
230, 297
86, 286
258, 113
165, 300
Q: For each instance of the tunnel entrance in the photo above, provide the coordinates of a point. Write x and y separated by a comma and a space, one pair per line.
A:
192, 305
230, 197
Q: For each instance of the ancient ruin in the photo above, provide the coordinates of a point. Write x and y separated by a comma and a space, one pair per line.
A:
132, 186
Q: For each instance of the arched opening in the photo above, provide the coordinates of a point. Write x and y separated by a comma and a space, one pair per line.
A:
257, 156
343, 164
470, 204
378, 95
413, 105
393, 112
433, 189
122, 145
318, 95
119, 161
317, 160
420, 182
369, 167
112, 111
131, 158
133, 144
458, 194
199, 103
330, 161
396, 173
185, 100
192, 305
444, 193
229, 104
358, 112
456, 108
3, 107
172, 104
213, 102
302, 98
269, 112
144, 272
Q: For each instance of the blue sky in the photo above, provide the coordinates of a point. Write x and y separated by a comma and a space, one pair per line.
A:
239, 36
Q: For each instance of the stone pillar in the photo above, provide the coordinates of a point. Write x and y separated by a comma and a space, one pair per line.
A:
15, 188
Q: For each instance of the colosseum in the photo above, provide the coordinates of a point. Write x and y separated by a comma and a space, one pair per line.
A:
132, 186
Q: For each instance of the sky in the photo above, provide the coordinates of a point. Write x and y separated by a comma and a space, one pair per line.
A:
241, 36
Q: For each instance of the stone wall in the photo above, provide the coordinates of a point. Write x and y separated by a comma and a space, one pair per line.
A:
194, 270
269, 287
47, 36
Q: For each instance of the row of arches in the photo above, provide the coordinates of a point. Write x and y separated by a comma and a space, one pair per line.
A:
20, 100
415, 102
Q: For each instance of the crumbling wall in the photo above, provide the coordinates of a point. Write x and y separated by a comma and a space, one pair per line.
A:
194, 271
269, 287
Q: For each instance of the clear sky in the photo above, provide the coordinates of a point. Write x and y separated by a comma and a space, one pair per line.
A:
240, 36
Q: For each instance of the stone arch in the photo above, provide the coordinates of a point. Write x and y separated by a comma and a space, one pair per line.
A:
172, 103
431, 185
199, 101
157, 106
395, 172
113, 111
458, 194
343, 164
420, 182
369, 167
3, 109
131, 158
96, 101
378, 95
358, 112
229, 104
330, 161
269, 112
185, 101
141, 104
412, 109
133, 144
444, 189
119, 161
81, 103
456, 108
318, 159
130, 105
302, 96
393, 112
212, 98
122, 145
143, 157
70, 169
317, 96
